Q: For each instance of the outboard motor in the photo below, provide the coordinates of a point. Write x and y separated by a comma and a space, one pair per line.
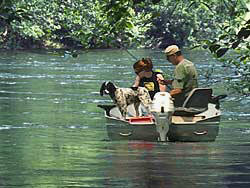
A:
162, 109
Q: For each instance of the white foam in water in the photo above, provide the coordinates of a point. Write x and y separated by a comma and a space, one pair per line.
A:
4, 127
78, 127
247, 131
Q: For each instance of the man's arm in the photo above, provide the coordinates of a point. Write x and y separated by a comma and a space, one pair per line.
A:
176, 91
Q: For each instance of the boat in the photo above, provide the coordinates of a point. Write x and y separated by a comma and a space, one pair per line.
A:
197, 120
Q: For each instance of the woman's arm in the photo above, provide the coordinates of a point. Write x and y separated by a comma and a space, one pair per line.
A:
160, 78
137, 81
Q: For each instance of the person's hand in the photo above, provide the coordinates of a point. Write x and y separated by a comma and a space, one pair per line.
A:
166, 82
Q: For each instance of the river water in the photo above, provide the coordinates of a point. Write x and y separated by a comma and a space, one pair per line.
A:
53, 135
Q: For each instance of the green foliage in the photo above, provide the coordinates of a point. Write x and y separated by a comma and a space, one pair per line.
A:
109, 23
219, 25
233, 37
88, 24
185, 22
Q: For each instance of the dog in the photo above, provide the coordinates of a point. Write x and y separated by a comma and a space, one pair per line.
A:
123, 97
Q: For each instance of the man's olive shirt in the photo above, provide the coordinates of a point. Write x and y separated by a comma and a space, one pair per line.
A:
185, 77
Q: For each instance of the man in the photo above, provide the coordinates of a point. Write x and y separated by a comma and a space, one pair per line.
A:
185, 75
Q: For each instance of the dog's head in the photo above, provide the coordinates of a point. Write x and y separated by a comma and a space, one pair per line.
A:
108, 88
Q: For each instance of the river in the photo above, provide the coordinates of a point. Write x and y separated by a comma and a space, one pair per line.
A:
53, 135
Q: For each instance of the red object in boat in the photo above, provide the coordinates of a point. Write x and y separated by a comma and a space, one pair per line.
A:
141, 120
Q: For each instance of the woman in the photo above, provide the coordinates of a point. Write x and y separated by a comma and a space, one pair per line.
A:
147, 78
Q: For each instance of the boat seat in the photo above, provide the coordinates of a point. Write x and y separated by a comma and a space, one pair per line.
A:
196, 102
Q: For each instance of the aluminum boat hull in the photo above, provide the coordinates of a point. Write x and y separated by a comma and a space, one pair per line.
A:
185, 129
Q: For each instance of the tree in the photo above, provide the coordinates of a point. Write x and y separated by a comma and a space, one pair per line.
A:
232, 46
9, 13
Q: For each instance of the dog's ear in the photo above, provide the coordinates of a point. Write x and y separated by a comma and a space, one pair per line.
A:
103, 88
111, 87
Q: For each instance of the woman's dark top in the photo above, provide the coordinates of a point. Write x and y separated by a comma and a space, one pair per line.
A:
151, 84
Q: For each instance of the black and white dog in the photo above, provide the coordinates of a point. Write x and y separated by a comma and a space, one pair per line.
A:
123, 97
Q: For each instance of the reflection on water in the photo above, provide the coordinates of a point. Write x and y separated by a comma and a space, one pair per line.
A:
53, 135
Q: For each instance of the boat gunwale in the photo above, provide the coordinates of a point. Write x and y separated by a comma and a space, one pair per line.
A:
127, 122
203, 121
199, 122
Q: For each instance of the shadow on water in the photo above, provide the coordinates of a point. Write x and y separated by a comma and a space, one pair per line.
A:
53, 135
